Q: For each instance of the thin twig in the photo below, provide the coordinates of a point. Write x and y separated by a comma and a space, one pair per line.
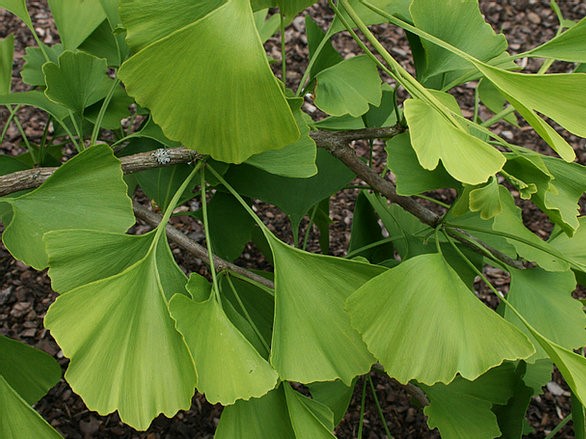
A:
196, 249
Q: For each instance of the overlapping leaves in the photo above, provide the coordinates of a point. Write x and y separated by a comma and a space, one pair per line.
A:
220, 97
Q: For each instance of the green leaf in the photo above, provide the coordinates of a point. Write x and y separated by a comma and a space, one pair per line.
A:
282, 413
394, 7
78, 81
267, 27
573, 248
348, 87
312, 336
18, 419
296, 160
551, 95
527, 245
32, 71
230, 226
494, 100
434, 138
229, 368
334, 394
254, 301
560, 201
412, 179
6, 60
557, 185
568, 46
309, 417
18, 8
511, 415
76, 19
389, 309
294, 196
366, 231
36, 99
117, 110
30, 372
486, 199
461, 24
111, 9
328, 56
571, 365
102, 43
462, 409
290, 8
125, 342
76, 188
219, 104
545, 301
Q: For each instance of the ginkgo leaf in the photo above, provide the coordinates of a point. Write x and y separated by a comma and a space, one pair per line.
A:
18, 8
568, 46
412, 179
76, 19
573, 247
290, 8
348, 87
125, 342
79, 186
394, 7
553, 185
309, 417
32, 71
528, 245
334, 394
29, 371
571, 365
486, 200
312, 337
18, 419
6, 60
462, 409
282, 413
220, 97
545, 301
466, 158
36, 99
77, 81
461, 24
389, 309
296, 160
229, 368
552, 95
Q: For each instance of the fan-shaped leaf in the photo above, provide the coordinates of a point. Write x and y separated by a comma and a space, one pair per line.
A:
551, 95
78, 81
461, 24
282, 413
486, 200
18, 419
389, 309
545, 301
30, 372
229, 368
76, 19
462, 409
348, 87
18, 8
573, 248
312, 336
220, 97
569, 46
467, 158
125, 342
63, 202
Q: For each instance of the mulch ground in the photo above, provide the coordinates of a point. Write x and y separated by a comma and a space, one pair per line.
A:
26, 294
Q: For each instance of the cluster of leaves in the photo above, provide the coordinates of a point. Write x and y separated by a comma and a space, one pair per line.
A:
142, 337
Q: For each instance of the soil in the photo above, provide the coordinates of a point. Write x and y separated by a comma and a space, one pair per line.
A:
26, 294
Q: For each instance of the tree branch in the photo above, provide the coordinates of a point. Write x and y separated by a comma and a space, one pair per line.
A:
196, 249
336, 142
